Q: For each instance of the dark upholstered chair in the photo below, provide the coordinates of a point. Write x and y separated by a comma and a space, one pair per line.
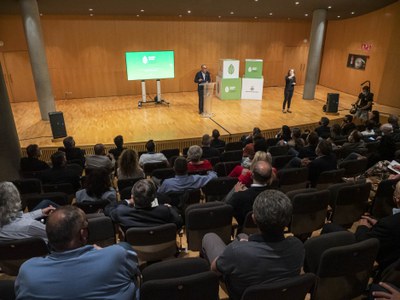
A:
209, 217
101, 231
183, 279
295, 288
328, 178
218, 188
292, 179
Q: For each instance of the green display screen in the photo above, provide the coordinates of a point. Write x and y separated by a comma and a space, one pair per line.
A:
150, 65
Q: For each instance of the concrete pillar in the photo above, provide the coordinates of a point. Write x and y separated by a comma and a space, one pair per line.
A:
10, 151
314, 55
37, 54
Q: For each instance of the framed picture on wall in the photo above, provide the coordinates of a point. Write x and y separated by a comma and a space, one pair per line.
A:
356, 61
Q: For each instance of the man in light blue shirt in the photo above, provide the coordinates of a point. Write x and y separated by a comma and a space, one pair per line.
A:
182, 181
75, 270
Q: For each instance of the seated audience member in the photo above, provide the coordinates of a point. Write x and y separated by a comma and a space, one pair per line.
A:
394, 121
243, 198
374, 116
285, 134
369, 129
72, 153
195, 161
14, 224
151, 156
247, 139
355, 144
296, 143
386, 230
98, 188
260, 258
119, 143
324, 131
142, 209
387, 145
347, 125
216, 142
244, 172
182, 181
325, 161
32, 163
60, 173
308, 151
75, 270
99, 159
128, 165
208, 151
248, 150
336, 133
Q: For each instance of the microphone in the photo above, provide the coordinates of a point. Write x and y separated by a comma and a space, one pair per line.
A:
364, 82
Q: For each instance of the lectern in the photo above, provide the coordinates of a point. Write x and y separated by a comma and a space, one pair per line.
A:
208, 94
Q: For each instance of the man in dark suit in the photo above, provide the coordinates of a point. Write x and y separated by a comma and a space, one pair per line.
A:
201, 77
32, 163
386, 230
243, 198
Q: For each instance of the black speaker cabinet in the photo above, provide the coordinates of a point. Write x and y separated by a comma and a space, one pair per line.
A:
332, 103
57, 124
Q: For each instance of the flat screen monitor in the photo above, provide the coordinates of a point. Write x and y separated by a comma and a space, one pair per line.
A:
150, 65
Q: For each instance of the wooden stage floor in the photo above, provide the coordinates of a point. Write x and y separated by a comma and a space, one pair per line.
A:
99, 120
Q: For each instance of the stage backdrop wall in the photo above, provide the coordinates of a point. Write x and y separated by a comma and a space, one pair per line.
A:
378, 31
86, 56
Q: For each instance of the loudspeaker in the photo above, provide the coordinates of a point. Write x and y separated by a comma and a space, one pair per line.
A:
57, 124
332, 103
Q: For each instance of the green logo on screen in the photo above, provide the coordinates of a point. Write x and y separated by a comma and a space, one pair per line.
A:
231, 69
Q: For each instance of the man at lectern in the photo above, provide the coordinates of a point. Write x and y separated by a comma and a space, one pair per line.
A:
201, 77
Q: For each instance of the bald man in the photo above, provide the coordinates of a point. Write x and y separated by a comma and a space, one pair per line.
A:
75, 270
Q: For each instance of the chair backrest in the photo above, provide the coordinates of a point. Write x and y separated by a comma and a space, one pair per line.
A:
214, 160
67, 188
168, 153
392, 273
153, 243
180, 200
28, 185
327, 178
292, 179
175, 268
148, 168
383, 204
90, 207
126, 193
101, 231
218, 188
249, 227
278, 150
234, 155
15, 252
349, 202
163, 173
32, 200
209, 217
127, 182
76, 167
7, 289
232, 146
348, 267
309, 210
295, 288
280, 161
354, 167
199, 286
225, 168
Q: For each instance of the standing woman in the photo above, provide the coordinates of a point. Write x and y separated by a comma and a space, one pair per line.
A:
290, 80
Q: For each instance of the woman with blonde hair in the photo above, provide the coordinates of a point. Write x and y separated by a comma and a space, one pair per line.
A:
128, 165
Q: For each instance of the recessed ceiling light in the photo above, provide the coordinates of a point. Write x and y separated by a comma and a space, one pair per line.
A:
255, 0
255, 17
329, 7
306, 15
142, 10
271, 14
338, 17
288, 19
189, 11
219, 17
90, 9
352, 12
180, 16
137, 16
41, 14
91, 15
231, 12
297, 3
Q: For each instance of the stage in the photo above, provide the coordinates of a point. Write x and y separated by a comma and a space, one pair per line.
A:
99, 120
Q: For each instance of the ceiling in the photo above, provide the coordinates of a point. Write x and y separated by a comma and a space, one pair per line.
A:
218, 9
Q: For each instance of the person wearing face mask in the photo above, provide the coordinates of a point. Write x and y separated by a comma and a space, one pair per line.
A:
364, 103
